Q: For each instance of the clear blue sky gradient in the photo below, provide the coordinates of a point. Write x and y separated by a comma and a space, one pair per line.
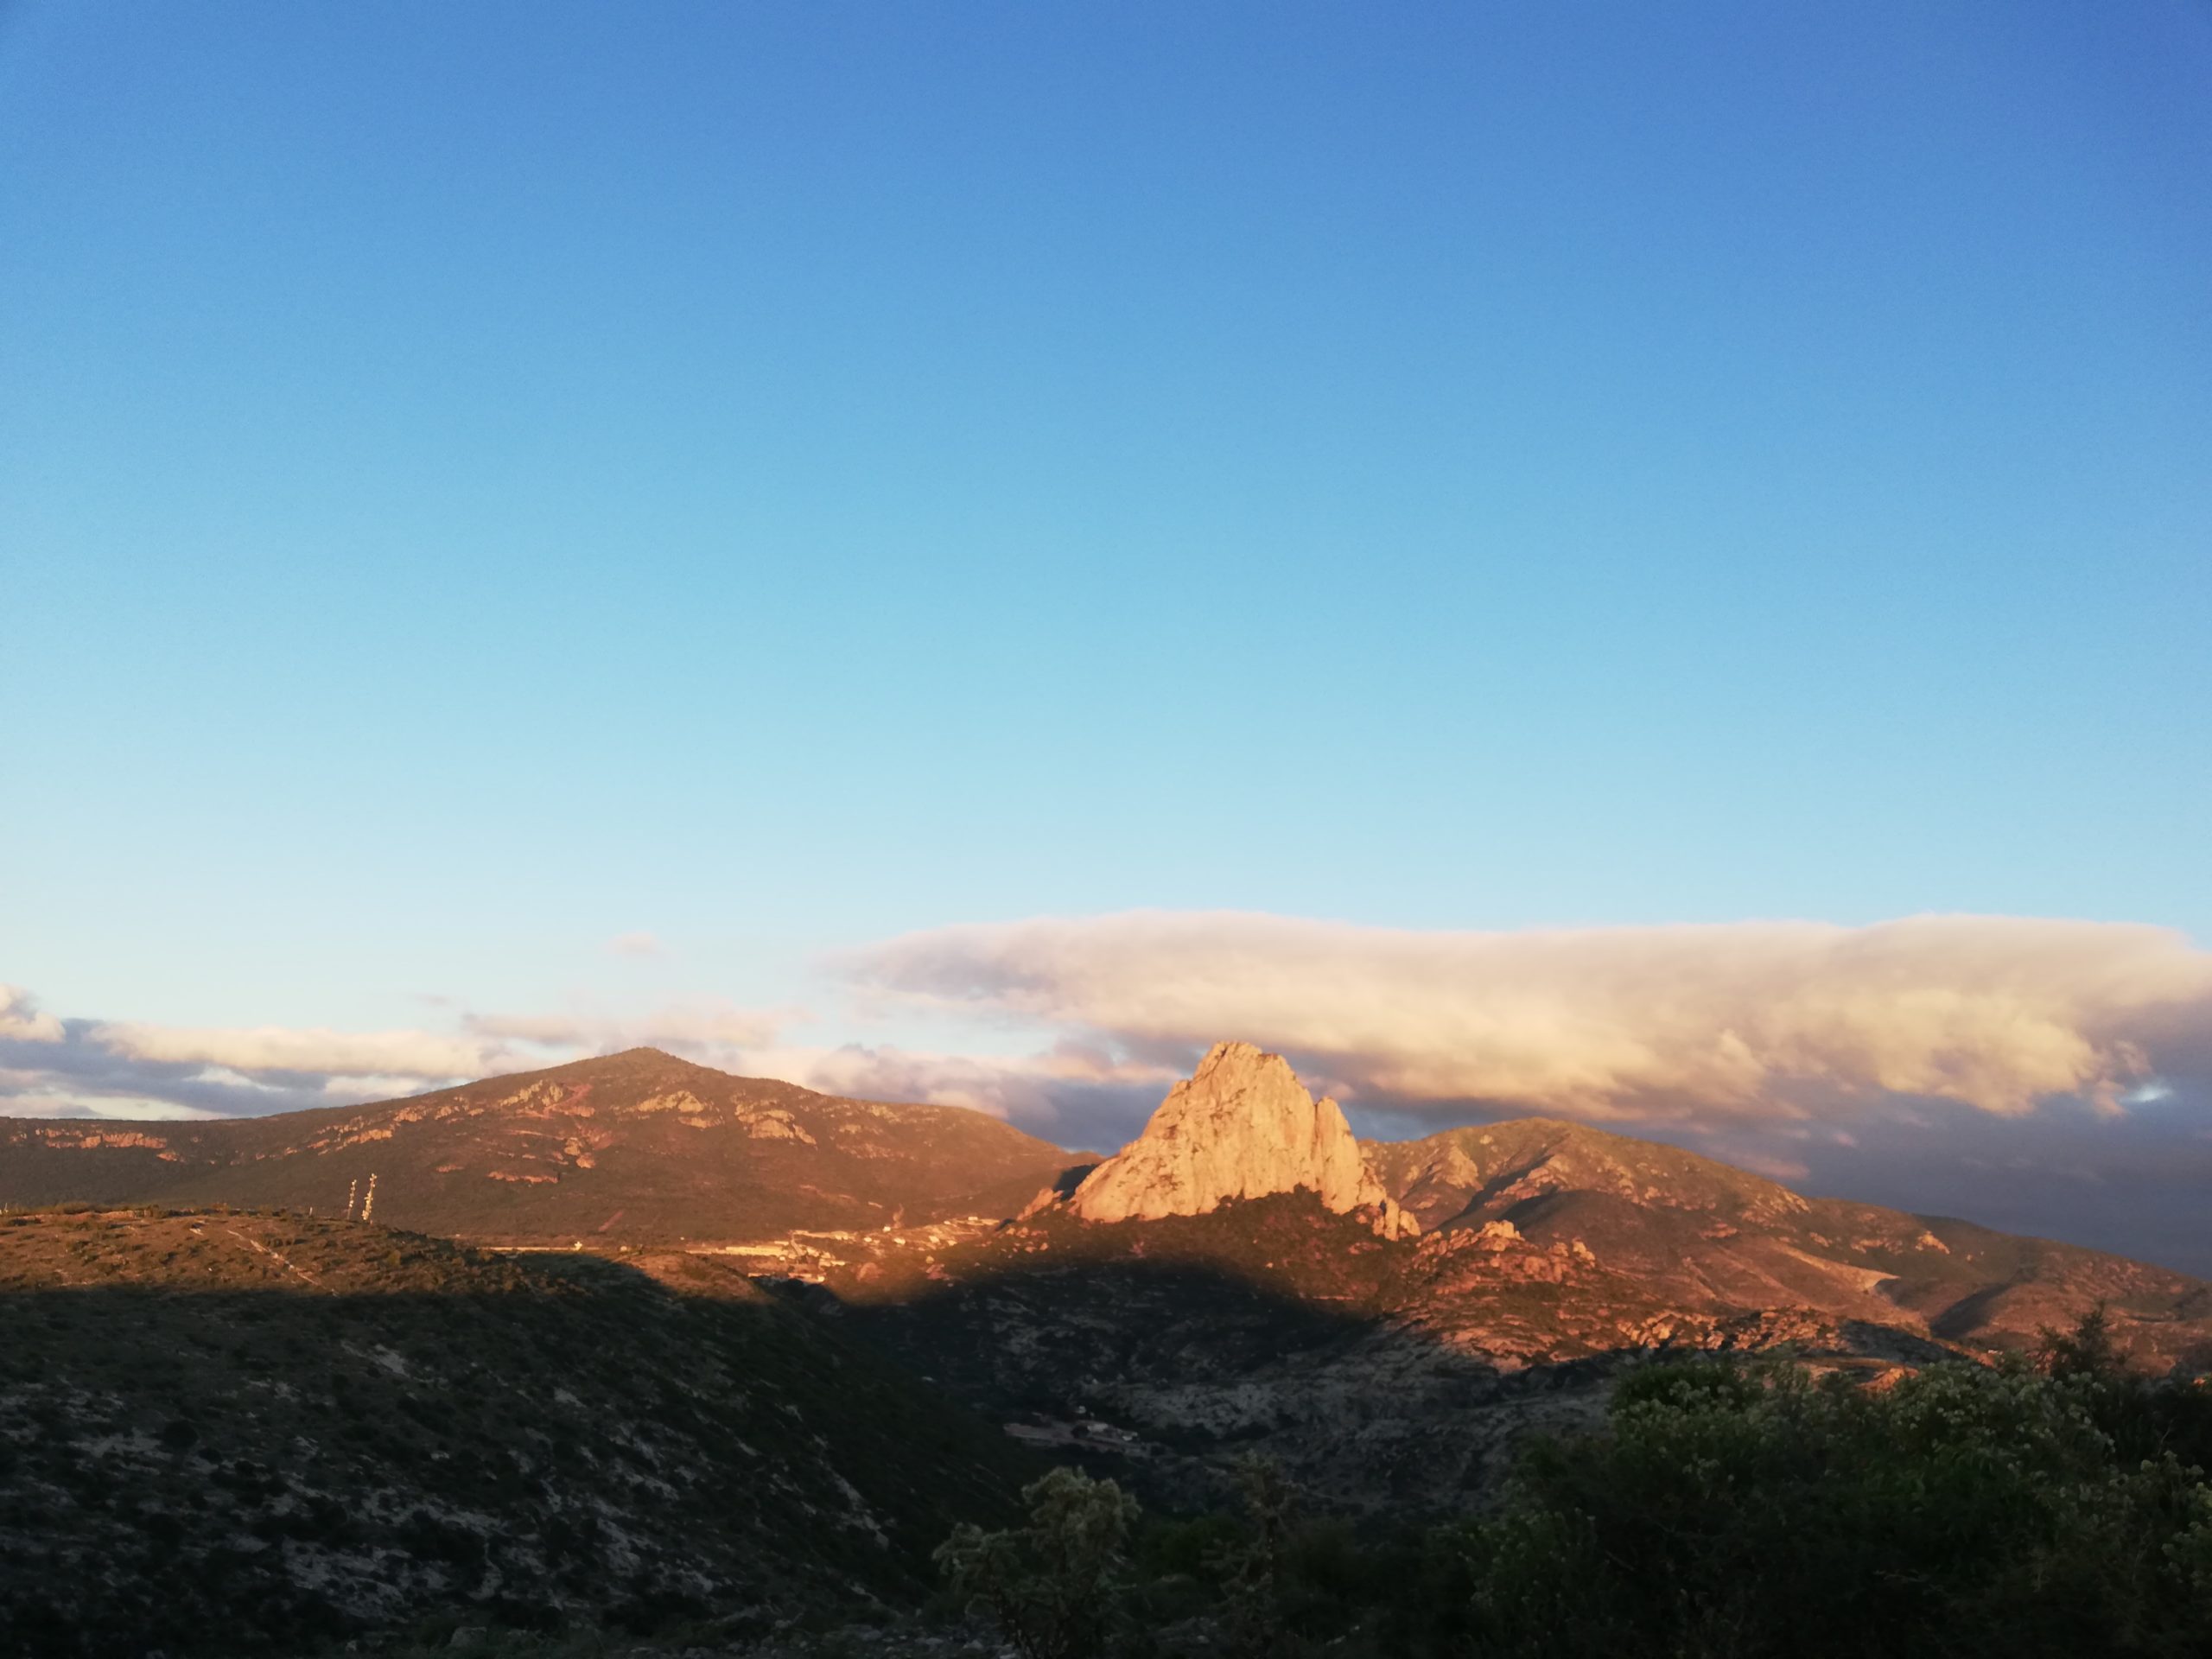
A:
478, 478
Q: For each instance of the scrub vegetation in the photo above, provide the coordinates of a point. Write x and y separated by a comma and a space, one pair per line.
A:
1724, 1508
226, 1432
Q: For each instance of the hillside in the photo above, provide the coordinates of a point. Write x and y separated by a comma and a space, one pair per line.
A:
1689, 1235
1393, 1372
233, 1433
1260, 1295
637, 1147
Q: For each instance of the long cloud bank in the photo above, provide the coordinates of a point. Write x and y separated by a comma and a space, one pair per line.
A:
1744, 1023
1748, 1022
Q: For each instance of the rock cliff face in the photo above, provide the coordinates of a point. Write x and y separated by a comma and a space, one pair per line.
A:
1242, 1126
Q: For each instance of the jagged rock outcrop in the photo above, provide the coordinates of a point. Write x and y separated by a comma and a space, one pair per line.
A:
1240, 1127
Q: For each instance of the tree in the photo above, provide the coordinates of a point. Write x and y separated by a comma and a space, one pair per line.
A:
1252, 1569
1970, 1512
1053, 1584
2086, 1350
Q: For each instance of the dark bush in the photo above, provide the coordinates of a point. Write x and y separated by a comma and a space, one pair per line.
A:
1729, 1511
1965, 1511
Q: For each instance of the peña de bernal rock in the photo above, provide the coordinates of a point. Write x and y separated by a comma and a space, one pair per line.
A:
1240, 1127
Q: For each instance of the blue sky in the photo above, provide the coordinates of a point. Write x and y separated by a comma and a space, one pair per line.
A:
476, 482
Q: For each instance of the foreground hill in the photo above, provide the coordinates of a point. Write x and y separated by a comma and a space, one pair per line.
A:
232, 1433
628, 1148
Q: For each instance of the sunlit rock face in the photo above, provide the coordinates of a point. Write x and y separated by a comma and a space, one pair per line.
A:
1240, 1127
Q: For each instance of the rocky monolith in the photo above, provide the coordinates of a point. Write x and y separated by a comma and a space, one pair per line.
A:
1240, 1127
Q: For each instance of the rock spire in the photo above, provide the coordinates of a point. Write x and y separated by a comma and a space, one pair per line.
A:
1241, 1126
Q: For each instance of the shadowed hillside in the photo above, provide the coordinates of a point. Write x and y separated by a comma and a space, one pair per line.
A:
633, 1147
1397, 1374
1160, 1350
231, 1433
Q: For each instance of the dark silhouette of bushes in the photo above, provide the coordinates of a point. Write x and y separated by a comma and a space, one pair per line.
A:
1054, 1585
1729, 1511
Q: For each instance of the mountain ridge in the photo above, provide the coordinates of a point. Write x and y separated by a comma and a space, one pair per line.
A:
634, 1147
1383, 1370
644, 1146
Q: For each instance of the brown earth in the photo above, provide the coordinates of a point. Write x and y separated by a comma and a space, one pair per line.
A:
638, 1147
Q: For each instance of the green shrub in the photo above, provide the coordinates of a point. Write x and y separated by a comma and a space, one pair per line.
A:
1054, 1584
1965, 1511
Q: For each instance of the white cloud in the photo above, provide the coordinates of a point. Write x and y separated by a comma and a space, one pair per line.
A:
1746, 1020
122, 1067
352, 1062
416, 1054
127, 1108
639, 943
20, 1021
1041, 1092
695, 1028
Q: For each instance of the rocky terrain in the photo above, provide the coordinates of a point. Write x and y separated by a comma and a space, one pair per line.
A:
231, 1433
1240, 1127
632, 1148
1239, 1279
783, 1339
1630, 1230
1160, 1350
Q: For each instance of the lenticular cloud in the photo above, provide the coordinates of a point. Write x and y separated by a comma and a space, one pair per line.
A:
1751, 1020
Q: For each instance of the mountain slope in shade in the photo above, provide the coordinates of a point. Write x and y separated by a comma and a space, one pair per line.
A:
228, 1432
633, 1147
1388, 1374
1398, 1372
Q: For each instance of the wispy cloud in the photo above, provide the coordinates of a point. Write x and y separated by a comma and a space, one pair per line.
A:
1755, 1020
640, 943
